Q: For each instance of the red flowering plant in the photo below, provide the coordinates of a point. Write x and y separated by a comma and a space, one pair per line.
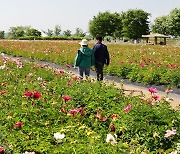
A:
34, 94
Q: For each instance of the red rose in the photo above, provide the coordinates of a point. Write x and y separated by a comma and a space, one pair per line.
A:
1, 150
61, 71
156, 97
36, 94
28, 93
18, 125
3, 92
112, 128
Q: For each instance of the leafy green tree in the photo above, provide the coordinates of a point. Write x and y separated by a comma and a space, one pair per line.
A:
79, 32
161, 25
67, 32
2, 33
168, 25
32, 32
135, 23
57, 30
174, 22
106, 24
16, 32
48, 33
118, 25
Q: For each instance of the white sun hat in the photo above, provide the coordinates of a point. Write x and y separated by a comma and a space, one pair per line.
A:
83, 42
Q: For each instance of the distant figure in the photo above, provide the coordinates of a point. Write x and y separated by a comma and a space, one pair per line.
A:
101, 55
84, 58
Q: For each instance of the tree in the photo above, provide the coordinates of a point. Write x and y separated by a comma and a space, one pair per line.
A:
168, 25
135, 23
118, 25
32, 32
67, 33
106, 24
48, 33
16, 32
57, 30
161, 25
2, 33
79, 32
174, 22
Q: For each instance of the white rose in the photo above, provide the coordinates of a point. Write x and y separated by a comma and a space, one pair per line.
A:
59, 137
110, 139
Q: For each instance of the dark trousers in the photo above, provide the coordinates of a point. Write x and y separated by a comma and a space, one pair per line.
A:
82, 70
99, 70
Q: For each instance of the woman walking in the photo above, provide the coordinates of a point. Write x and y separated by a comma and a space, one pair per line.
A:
84, 58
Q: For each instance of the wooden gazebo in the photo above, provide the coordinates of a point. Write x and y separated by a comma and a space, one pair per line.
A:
155, 36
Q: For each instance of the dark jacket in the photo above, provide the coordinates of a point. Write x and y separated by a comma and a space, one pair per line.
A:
101, 54
84, 58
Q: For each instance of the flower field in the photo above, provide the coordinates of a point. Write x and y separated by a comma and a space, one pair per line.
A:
52, 111
140, 63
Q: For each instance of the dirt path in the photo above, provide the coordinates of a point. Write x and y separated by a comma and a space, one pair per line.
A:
175, 102
129, 87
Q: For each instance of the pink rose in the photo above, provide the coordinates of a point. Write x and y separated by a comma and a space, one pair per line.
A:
66, 98
152, 90
68, 66
69, 83
127, 108
170, 133
75, 111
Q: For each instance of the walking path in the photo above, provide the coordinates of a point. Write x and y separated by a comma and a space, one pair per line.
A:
134, 88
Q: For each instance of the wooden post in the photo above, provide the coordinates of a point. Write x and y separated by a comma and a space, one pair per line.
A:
164, 41
155, 40
147, 38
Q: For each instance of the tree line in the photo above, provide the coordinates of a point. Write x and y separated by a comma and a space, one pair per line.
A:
28, 31
131, 24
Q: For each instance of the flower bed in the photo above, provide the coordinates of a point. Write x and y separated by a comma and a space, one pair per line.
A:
50, 111
139, 63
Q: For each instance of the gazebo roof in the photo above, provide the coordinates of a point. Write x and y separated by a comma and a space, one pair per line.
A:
156, 35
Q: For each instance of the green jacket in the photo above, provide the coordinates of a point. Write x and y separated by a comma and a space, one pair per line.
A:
85, 58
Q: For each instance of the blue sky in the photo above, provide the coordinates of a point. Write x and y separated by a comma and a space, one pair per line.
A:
70, 14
